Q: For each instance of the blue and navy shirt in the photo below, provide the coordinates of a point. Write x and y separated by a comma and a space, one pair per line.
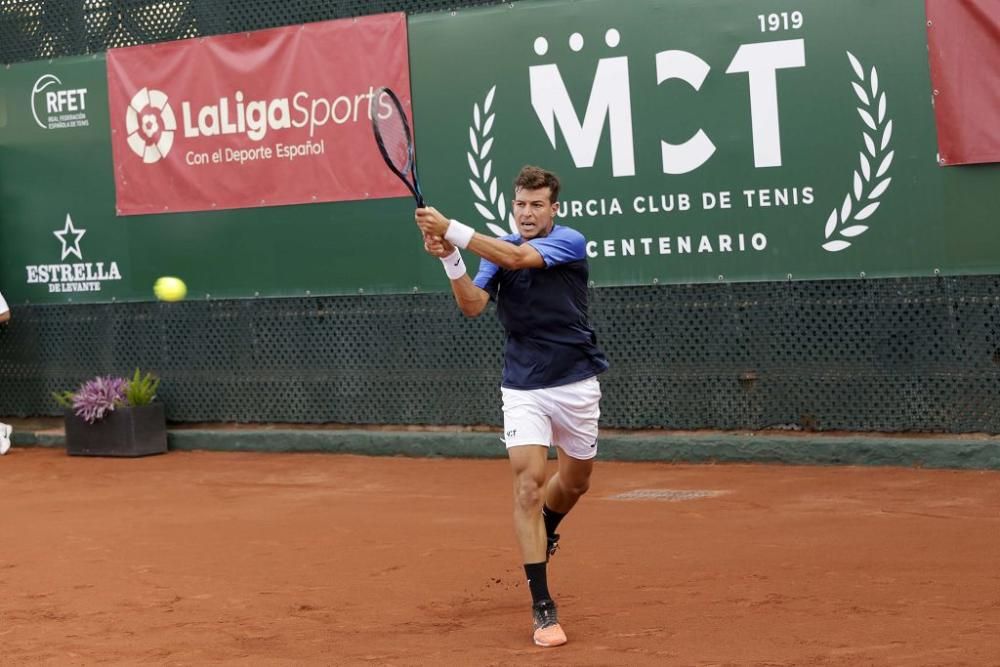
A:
544, 311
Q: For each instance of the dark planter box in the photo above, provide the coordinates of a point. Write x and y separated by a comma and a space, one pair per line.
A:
123, 432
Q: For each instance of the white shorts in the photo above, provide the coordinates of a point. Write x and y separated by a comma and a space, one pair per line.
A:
564, 416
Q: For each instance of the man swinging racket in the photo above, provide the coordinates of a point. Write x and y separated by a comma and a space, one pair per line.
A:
5, 429
538, 278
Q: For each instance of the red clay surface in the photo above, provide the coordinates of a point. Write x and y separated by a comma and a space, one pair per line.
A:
198, 558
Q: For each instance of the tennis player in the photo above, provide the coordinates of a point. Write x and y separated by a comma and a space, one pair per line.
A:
5, 429
538, 278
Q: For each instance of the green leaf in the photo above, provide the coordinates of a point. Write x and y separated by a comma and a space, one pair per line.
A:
141, 389
64, 398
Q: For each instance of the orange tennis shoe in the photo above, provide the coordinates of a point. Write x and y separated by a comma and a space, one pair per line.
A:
548, 632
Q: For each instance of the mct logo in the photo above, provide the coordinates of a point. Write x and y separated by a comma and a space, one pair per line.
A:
56, 106
150, 124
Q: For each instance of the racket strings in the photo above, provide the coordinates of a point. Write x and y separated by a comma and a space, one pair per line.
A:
390, 126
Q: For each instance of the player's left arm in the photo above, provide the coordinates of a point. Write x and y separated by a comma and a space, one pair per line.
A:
4, 310
501, 253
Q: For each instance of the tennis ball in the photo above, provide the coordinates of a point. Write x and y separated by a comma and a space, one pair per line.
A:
169, 288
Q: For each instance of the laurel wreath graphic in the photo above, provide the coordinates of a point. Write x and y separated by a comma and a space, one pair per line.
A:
490, 202
870, 182
862, 202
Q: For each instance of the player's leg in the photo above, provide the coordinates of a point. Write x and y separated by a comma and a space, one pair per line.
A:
575, 410
569, 483
528, 434
528, 466
562, 492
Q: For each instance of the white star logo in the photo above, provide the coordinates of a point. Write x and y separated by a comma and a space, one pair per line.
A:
70, 247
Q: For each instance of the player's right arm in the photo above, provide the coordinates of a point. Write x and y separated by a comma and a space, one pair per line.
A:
471, 299
498, 252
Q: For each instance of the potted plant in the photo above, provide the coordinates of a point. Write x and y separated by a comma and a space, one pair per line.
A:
115, 416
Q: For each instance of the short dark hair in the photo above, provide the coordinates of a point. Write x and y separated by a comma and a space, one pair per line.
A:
536, 178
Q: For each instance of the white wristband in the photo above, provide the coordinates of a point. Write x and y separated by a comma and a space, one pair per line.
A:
459, 234
454, 265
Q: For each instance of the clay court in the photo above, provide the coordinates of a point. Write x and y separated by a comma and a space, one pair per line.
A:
314, 559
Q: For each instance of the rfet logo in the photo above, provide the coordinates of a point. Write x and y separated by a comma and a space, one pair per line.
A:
55, 106
150, 123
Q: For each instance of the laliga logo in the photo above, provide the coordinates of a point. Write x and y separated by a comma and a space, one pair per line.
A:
150, 124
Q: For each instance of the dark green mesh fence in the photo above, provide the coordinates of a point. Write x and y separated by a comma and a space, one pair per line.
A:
37, 29
888, 355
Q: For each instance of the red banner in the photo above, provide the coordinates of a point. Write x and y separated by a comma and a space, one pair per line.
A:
963, 38
255, 119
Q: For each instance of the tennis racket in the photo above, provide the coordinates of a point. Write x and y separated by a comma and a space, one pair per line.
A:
394, 140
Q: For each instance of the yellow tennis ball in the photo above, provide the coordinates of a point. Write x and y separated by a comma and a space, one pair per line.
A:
169, 288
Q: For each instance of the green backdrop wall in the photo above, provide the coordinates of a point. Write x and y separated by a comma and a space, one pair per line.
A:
908, 353
806, 151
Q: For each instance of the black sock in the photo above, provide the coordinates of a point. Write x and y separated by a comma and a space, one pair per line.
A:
537, 581
552, 519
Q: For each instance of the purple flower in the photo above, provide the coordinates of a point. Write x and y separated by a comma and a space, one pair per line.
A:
99, 396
